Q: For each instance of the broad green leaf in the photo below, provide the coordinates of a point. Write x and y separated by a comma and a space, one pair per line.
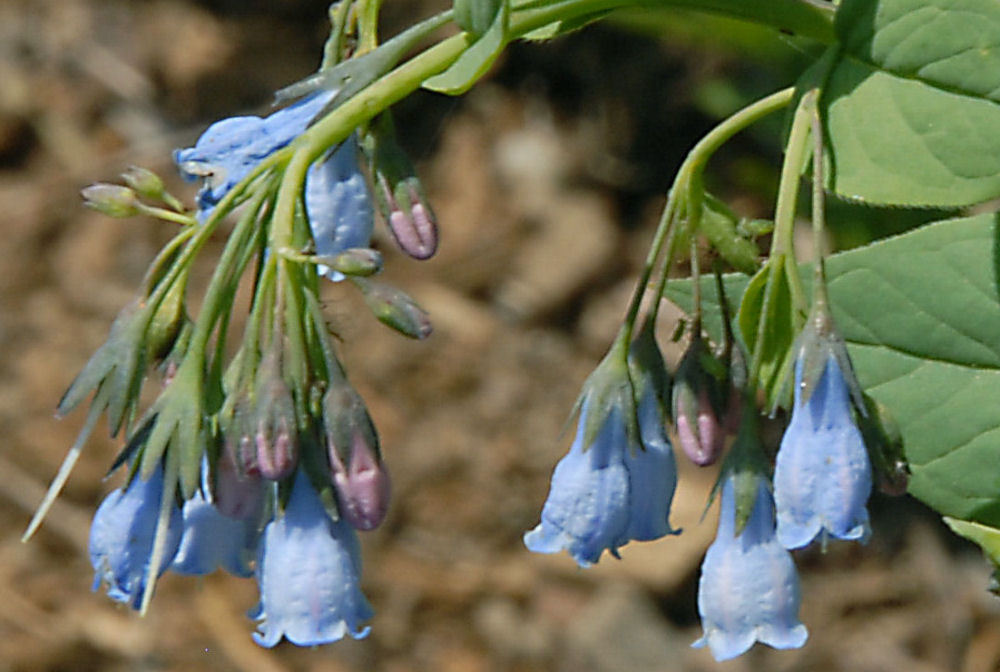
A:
950, 44
911, 102
476, 60
900, 141
921, 314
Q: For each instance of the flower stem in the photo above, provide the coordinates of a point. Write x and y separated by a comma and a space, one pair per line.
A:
690, 172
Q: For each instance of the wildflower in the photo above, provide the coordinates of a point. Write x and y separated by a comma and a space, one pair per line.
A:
338, 202
822, 476
212, 540
230, 149
611, 491
309, 569
122, 537
749, 590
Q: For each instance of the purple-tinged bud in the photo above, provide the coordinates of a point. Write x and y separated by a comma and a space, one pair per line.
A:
412, 223
275, 438
110, 199
363, 486
698, 430
276, 450
145, 182
400, 195
237, 495
695, 402
359, 476
394, 308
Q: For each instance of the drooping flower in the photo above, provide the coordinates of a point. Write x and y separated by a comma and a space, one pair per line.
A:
749, 590
338, 201
122, 537
822, 476
230, 149
339, 204
211, 540
309, 570
610, 492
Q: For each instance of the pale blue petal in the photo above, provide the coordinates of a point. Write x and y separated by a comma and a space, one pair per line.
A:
652, 475
230, 149
822, 477
587, 510
122, 536
309, 574
339, 204
749, 589
211, 540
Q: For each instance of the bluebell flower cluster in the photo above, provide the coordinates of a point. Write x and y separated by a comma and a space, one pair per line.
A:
822, 477
611, 490
308, 565
749, 590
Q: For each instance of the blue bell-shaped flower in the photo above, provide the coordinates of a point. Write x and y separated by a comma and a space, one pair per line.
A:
122, 537
309, 571
822, 476
749, 589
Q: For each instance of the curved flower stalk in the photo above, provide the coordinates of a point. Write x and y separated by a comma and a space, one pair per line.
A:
613, 488
749, 590
309, 571
122, 537
822, 477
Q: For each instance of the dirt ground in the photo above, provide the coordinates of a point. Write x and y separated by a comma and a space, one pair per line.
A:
546, 195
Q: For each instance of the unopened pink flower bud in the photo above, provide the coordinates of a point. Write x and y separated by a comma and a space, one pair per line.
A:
698, 429
414, 228
363, 486
276, 451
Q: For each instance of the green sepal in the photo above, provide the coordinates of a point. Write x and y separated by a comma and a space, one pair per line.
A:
818, 341
476, 59
178, 421
647, 368
884, 442
116, 368
746, 465
609, 389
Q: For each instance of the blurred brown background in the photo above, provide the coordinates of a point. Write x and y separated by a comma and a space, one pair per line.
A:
547, 180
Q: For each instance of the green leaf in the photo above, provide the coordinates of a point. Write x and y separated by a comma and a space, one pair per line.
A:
911, 102
950, 45
921, 315
903, 142
476, 60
